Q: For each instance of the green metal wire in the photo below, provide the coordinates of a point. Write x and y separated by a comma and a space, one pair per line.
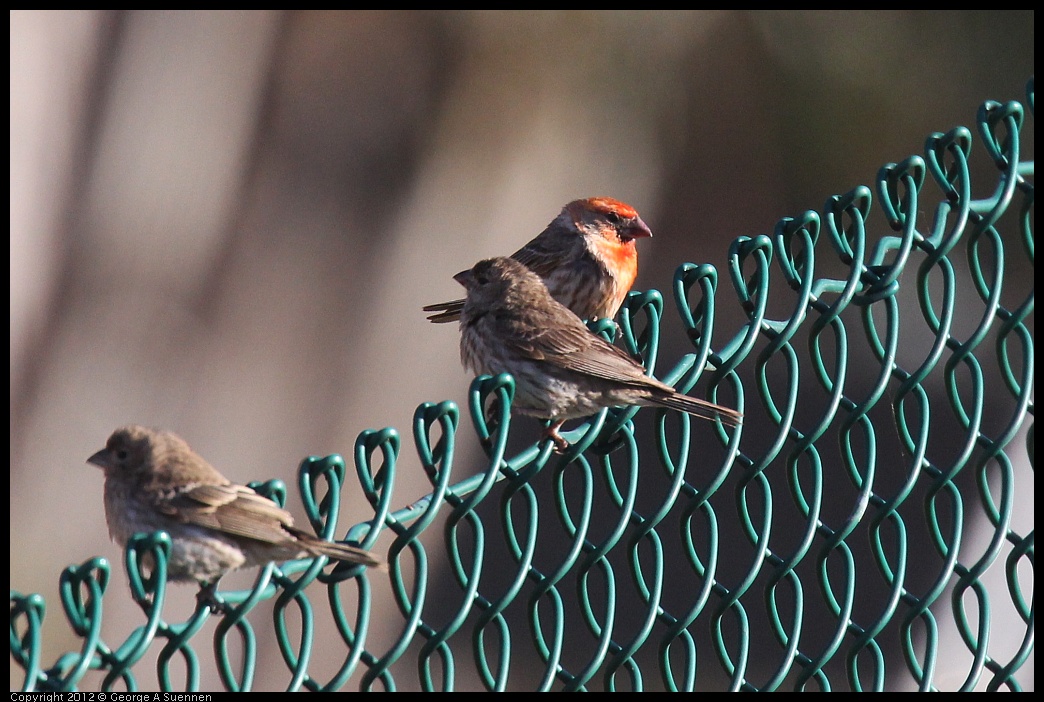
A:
822, 545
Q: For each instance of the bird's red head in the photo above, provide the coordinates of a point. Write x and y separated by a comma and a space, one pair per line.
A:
616, 219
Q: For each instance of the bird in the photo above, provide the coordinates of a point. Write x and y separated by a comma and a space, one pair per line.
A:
586, 257
155, 481
510, 323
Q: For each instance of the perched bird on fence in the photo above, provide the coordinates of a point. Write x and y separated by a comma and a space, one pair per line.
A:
510, 323
154, 481
586, 257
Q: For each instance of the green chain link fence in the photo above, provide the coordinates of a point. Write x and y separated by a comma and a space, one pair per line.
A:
844, 537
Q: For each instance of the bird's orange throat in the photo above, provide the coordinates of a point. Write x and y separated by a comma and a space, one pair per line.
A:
620, 259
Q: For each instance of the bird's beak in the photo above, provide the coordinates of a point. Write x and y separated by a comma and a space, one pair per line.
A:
639, 229
464, 278
100, 459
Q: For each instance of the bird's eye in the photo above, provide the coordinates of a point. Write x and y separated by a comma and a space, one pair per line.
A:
613, 217
121, 455
481, 280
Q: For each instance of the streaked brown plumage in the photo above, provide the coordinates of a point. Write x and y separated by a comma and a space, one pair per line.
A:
154, 481
511, 324
586, 257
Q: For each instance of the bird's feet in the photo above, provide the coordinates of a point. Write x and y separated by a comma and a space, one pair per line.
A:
208, 597
561, 445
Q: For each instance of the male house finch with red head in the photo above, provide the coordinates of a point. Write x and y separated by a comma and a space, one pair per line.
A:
154, 481
511, 324
586, 257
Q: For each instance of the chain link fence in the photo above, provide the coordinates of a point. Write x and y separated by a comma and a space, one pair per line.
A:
861, 530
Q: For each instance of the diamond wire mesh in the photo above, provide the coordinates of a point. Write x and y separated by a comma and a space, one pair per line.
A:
837, 542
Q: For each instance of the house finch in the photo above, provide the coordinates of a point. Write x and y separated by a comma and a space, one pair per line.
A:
154, 481
511, 324
586, 257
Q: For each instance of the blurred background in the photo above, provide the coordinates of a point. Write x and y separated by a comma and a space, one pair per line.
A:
226, 223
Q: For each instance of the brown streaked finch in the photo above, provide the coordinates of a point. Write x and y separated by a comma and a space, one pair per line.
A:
511, 324
154, 481
586, 257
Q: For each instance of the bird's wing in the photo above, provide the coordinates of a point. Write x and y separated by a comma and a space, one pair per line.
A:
562, 340
543, 255
603, 360
233, 509
576, 349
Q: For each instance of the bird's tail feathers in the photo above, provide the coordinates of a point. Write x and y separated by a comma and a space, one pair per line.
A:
340, 551
699, 408
444, 311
